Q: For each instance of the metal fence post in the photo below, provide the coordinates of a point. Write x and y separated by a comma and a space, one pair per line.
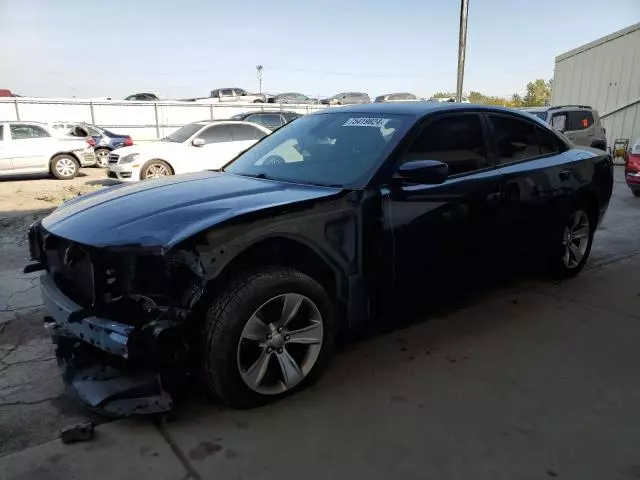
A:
211, 111
93, 118
155, 107
15, 100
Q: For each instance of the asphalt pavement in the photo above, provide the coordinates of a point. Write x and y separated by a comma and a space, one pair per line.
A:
530, 380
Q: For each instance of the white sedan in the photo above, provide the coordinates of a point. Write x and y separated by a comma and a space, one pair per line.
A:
207, 145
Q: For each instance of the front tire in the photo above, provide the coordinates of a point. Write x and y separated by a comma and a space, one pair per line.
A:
64, 167
269, 334
572, 243
155, 169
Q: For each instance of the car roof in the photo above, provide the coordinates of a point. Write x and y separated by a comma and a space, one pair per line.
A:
415, 108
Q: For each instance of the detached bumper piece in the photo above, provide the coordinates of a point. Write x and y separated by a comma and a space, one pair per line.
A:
93, 352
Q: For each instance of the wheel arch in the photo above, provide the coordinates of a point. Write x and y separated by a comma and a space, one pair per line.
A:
71, 154
286, 251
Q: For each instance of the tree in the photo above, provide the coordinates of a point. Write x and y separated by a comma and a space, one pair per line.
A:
443, 95
538, 93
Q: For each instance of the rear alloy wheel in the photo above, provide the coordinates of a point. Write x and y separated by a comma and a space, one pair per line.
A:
270, 333
577, 238
102, 157
156, 169
64, 167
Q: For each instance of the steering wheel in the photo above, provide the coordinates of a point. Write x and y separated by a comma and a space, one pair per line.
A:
273, 160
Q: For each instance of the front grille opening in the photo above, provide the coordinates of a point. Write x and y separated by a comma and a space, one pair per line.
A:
71, 268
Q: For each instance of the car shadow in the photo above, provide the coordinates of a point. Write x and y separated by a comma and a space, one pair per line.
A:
37, 176
104, 182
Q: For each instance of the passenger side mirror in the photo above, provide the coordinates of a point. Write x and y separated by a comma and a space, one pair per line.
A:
198, 142
430, 172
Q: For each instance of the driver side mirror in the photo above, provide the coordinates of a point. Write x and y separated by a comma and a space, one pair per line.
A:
430, 172
198, 142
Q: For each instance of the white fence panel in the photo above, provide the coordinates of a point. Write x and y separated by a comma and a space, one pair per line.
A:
141, 120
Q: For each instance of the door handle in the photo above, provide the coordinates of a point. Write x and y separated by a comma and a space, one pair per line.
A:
565, 175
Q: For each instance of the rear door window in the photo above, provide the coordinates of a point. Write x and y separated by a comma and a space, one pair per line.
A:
216, 134
515, 139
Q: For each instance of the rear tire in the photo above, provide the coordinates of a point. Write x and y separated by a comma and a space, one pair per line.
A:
155, 169
252, 354
64, 167
636, 193
572, 242
102, 157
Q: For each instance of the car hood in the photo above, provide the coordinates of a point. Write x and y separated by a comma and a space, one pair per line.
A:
163, 212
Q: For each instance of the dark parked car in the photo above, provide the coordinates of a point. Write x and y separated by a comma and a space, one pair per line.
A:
106, 141
143, 97
397, 97
271, 120
250, 273
347, 98
292, 98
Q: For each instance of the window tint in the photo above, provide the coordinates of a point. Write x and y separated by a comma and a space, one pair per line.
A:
226, 92
1, 132
239, 91
269, 120
216, 134
516, 139
455, 140
548, 142
579, 120
21, 132
240, 133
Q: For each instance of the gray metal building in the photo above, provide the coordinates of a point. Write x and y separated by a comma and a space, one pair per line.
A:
606, 75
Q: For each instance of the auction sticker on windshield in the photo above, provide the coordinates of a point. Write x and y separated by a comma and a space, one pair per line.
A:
366, 122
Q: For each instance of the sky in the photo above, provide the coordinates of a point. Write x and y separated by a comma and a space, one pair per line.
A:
91, 48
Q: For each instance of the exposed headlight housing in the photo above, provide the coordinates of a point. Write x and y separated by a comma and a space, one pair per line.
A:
132, 157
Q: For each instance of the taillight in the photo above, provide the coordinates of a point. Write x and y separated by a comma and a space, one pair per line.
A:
128, 141
633, 162
91, 142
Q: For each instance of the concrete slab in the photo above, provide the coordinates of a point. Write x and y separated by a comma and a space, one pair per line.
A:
613, 286
123, 450
520, 386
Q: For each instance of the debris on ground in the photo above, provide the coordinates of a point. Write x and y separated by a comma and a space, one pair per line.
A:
81, 432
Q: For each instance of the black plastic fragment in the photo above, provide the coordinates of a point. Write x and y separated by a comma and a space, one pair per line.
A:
81, 432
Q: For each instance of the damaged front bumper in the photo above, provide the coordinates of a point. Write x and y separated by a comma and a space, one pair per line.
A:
95, 353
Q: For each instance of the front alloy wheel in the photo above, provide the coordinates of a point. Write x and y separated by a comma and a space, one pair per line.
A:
268, 333
280, 344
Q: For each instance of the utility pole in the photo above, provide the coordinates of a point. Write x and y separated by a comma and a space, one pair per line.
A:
462, 47
259, 69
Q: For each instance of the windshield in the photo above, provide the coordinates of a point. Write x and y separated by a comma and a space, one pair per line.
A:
335, 149
184, 133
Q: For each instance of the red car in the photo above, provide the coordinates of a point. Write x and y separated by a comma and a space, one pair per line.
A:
632, 168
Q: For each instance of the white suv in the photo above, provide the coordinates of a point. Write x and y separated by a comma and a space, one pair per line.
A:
32, 147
